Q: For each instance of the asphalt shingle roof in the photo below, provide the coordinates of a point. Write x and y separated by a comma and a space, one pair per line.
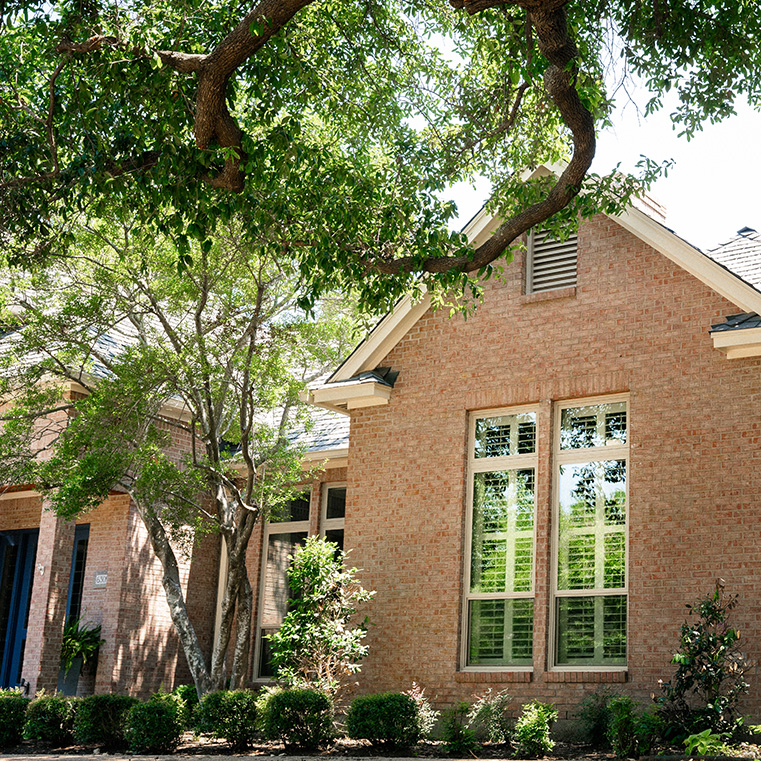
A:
741, 255
329, 430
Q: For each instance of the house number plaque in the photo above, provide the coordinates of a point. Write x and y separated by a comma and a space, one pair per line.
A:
101, 579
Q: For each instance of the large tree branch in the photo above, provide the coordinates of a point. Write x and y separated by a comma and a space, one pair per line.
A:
555, 43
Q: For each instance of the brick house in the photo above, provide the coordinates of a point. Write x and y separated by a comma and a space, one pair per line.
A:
536, 492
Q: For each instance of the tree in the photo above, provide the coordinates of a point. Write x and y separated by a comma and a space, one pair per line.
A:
318, 644
200, 107
215, 354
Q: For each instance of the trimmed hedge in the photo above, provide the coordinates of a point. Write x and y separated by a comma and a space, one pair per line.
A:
229, 715
12, 715
156, 726
390, 719
300, 719
49, 720
100, 720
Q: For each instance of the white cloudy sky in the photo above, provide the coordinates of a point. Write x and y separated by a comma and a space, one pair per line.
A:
713, 190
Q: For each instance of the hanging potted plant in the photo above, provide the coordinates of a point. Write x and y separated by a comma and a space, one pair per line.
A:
79, 646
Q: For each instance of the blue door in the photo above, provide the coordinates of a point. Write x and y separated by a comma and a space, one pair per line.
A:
18, 550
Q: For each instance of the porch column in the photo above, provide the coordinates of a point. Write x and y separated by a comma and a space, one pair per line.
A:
47, 608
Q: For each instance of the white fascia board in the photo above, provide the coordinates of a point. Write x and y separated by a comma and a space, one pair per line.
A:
386, 334
690, 259
738, 344
353, 396
330, 458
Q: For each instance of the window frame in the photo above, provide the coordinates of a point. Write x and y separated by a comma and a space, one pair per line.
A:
486, 465
571, 457
273, 527
330, 524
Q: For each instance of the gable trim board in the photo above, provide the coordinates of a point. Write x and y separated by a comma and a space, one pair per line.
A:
341, 396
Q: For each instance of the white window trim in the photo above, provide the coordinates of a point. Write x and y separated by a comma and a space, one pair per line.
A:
485, 465
571, 456
284, 527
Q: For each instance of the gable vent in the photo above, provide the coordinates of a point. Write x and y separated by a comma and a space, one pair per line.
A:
550, 264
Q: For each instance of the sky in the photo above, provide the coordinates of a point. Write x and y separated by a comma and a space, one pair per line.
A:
714, 188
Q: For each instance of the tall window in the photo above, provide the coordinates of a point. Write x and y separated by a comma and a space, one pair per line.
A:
282, 535
333, 513
591, 453
499, 604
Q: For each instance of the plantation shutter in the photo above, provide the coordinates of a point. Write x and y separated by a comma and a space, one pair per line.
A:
551, 264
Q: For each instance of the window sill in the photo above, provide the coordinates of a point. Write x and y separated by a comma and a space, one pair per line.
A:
597, 677
558, 293
468, 677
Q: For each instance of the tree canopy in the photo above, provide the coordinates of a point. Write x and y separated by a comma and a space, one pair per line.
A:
345, 119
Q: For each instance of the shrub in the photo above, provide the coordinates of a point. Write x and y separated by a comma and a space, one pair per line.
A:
49, 720
649, 730
532, 730
300, 719
622, 726
390, 718
708, 682
426, 714
229, 715
156, 726
99, 720
12, 714
594, 717
459, 739
189, 695
316, 645
488, 716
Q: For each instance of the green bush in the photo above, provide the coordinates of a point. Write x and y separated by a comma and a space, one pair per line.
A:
488, 716
229, 715
189, 695
300, 719
532, 730
99, 720
649, 730
49, 720
156, 726
594, 717
709, 680
12, 714
459, 739
390, 718
319, 643
622, 726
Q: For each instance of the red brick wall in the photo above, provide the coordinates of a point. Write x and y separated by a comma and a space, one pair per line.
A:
635, 323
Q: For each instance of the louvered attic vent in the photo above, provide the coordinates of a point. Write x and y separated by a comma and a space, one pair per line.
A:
550, 264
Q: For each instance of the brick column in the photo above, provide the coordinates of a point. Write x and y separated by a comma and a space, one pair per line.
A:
47, 608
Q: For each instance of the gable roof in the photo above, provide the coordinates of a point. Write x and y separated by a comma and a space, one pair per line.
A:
732, 270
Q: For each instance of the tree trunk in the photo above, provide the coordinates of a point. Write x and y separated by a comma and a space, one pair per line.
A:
243, 619
176, 600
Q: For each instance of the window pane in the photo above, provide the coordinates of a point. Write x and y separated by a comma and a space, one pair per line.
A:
598, 425
297, 509
503, 531
335, 535
280, 548
505, 435
591, 631
501, 632
592, 525
336, 507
